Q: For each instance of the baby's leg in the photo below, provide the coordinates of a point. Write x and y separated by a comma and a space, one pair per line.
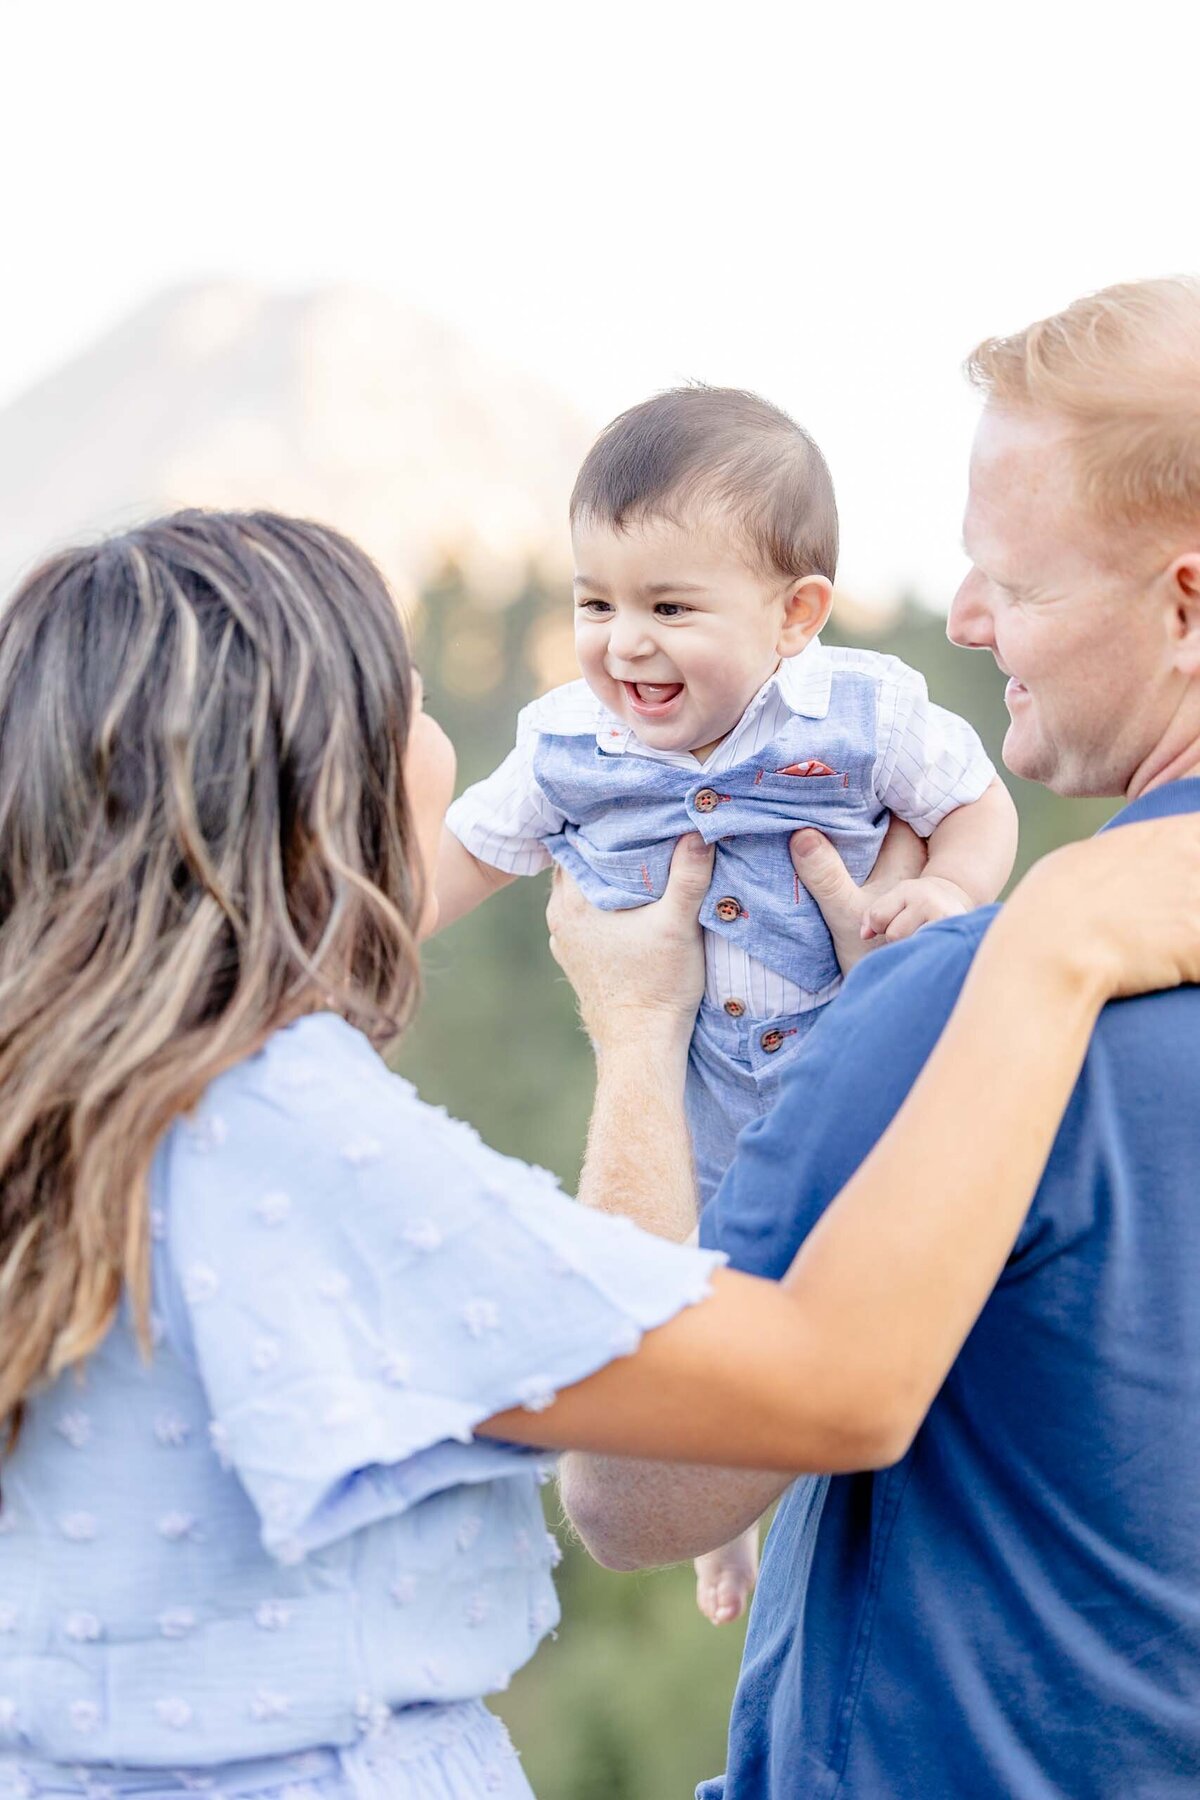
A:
720, 1098
725, 1578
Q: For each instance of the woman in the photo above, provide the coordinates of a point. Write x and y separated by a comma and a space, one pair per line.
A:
274, 1337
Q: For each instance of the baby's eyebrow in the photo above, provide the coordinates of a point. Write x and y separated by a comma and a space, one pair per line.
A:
586, 581
673, 587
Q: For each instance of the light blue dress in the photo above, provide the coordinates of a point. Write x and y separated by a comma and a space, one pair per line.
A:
273, 1560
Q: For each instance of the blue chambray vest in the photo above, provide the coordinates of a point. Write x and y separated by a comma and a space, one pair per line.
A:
626, 812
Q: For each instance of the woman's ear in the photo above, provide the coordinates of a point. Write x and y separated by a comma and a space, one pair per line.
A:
805, 612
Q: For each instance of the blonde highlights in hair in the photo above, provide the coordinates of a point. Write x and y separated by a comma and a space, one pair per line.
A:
203, 834
1121, 368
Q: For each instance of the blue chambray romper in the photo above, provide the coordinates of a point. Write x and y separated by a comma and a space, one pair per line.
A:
273, 1560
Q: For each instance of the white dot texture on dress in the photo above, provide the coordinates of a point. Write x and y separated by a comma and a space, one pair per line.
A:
84, 1715
176, 1621
265, 1355
207, 1132
171, 1431
79, 1527
468, 1532
174, 1712
83, 1627
175, 1526
370, 1715
536, 1394
481, 1316
361, 1151
422, 1234
75, 1428
269, 1705
200, 1283
274, 1207
218, 1437
272, 1615
395, 1367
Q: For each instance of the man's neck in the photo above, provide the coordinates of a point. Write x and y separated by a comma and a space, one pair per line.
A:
1156, 771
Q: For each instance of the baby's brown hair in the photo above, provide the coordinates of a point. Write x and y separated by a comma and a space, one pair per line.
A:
720, 447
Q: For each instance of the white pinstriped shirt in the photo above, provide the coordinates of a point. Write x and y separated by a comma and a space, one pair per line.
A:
928, 763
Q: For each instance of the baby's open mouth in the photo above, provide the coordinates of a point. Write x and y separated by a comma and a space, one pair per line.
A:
652, 696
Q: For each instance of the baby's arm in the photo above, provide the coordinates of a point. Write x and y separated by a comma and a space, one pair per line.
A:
462, 881
971, 856
495, 831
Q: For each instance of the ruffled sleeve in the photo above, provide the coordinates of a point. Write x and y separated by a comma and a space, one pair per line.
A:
361, 1282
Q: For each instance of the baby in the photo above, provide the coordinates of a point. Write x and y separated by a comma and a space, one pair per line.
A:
705, 538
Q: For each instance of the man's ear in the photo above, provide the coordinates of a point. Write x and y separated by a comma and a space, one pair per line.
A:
1183, 611
807, 609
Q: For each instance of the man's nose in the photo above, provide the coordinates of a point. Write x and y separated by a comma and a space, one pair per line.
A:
969, 621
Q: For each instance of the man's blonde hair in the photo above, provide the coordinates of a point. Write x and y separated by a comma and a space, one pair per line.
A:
1122, 369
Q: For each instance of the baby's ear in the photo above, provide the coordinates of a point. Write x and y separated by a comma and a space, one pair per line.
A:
805, 612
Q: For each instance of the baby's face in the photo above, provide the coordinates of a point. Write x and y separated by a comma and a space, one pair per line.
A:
675, 631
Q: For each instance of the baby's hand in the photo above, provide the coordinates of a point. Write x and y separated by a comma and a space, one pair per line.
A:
904, 908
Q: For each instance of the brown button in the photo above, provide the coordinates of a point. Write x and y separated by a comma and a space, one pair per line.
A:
728, 909
771, 1041
707, 800
735, 1008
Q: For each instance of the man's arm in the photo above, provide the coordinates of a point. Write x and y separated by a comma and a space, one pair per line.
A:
634, 1514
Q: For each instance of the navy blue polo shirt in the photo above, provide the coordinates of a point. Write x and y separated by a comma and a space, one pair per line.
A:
1012, 1612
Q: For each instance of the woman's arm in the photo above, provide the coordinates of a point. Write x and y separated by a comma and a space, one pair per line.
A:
835, 1367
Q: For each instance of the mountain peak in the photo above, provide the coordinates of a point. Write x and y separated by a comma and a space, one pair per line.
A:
339, 403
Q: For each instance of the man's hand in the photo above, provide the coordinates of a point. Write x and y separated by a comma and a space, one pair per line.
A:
852, 913
640, 969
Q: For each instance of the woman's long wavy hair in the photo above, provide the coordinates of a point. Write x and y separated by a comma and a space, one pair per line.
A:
203, 834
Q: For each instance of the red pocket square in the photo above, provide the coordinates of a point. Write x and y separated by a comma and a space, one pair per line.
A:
811, 767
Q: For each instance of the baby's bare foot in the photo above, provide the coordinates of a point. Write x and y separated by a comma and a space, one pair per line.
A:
725, 1578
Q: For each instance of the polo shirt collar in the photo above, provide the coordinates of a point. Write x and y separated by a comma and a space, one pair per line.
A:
804, 683
1182, 796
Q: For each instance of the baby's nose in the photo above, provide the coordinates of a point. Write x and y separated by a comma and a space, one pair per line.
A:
628, 639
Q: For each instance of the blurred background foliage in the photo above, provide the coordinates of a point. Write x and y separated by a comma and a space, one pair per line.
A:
631, 1701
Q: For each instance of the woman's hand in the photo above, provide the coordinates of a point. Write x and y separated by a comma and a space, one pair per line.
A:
1119, 912
640, 970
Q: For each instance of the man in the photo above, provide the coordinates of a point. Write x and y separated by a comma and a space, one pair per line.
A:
1013, 1609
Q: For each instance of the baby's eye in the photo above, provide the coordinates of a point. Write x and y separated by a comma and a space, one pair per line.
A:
671, 609
597, 608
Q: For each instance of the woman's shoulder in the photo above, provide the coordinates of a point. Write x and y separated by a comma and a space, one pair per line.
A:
315, 1123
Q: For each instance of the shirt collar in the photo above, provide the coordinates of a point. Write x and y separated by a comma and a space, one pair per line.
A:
1182, 796
803, 682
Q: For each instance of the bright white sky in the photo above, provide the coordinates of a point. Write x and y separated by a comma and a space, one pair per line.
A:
829, 204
